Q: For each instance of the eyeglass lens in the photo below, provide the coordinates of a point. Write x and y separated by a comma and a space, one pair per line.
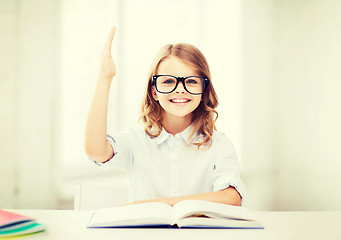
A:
167, 84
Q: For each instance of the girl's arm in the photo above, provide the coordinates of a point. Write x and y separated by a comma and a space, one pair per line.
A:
228, 196
96, 145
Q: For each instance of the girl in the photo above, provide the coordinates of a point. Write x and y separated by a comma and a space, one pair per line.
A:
179, 155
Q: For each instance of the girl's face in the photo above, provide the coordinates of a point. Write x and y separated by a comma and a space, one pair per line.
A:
178, 103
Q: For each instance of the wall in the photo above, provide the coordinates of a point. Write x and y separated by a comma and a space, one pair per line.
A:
307, 114
281, 107
7, 103
291, 104
258, 103
29, 92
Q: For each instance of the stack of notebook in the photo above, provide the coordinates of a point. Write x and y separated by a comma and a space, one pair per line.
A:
12, 224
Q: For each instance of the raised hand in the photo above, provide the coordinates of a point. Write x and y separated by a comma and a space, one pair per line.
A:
108, 68
96, 145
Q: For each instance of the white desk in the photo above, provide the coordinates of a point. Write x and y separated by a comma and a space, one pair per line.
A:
68, 224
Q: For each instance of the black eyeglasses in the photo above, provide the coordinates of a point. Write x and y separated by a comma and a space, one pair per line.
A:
167, 83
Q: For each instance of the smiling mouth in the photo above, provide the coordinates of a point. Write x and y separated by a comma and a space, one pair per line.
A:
176, 100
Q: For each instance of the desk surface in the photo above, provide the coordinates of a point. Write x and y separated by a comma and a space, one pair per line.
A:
68, 224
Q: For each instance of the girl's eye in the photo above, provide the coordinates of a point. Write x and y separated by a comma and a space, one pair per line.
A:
168, 81
191, 81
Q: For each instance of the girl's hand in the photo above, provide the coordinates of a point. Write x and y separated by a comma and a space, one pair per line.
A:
108, 68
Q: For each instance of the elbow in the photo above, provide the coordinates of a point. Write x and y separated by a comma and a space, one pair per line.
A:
89, 150
237, 202
232, 196
95, 153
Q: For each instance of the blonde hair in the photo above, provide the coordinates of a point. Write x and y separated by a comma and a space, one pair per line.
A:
204, 116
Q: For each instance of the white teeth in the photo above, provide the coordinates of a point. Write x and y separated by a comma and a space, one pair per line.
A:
180, 100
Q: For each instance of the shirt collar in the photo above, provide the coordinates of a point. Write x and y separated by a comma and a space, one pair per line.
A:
164, 135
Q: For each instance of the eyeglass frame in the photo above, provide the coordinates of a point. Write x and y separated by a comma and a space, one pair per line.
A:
180, 79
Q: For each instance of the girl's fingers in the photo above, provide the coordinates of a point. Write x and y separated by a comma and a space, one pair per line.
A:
110, 38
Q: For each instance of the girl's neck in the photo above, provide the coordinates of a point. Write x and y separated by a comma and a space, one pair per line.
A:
174, 124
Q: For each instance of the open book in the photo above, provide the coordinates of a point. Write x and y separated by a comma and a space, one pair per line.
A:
188, 213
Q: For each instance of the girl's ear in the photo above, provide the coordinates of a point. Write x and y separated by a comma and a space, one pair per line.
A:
155, 96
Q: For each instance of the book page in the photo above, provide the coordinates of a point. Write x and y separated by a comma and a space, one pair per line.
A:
202, 222
189, 208
143, 214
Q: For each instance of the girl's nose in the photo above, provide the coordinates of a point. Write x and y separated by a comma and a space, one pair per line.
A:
180, 88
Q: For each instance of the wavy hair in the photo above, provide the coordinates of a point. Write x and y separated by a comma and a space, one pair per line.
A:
204, 116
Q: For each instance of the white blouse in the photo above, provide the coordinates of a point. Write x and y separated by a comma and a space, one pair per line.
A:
167, 166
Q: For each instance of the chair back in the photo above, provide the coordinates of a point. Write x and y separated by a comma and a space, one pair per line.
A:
92, 196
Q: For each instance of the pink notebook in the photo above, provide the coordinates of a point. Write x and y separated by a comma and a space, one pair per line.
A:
10, 218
